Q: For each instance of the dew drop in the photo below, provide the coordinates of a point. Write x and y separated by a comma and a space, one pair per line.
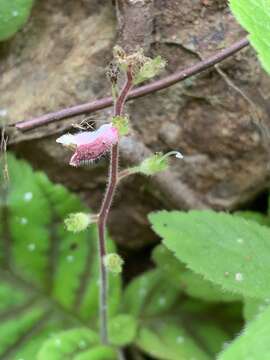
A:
31, 247
82, 344
70, 258
180, 339
142, 291
3, 112
15, 13
23, 221
58, 342
162, 301
240, 241
28, 196
239, 277
178, 155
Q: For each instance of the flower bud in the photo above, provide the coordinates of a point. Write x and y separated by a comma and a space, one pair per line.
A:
157, 163
77, 222
90, 145
121, 123
113, 263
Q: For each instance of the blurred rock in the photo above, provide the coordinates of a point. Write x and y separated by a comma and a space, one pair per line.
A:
58, 60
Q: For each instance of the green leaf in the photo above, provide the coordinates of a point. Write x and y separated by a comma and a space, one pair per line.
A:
254, 216
196, 286
76, 344
253, 307
168, 328
13, 15
48, 276
122, 329
149, 295
166, 339
253, 343
254, 16
187, 281
225, 249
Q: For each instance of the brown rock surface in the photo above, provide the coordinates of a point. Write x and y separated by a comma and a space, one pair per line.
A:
58, 60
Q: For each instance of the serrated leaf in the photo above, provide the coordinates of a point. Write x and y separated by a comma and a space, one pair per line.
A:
225, 249
13, 15
254, 16
253, 343
122, 329
196, 286
253, 307
48, 276
75, 344
254, 216
187, 281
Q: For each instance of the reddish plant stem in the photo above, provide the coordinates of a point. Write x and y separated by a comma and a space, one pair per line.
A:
167, 81
104, 212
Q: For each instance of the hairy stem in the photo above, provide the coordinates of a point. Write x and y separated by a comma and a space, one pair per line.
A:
104, 211
167, 81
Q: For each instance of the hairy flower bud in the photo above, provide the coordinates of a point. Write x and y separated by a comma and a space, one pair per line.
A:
142, 67
90, 145
113, 263
157, 163
78, 222
150, 69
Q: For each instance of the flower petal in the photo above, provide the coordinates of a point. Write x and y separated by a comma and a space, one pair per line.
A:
67, 139
92, 145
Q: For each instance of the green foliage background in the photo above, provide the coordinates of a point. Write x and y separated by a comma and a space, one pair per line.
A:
48, 276
13, 15
254, 16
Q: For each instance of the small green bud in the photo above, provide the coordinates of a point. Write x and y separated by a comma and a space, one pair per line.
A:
157, 163
113, 263
150, 69
154, 164
77, 222
121, 123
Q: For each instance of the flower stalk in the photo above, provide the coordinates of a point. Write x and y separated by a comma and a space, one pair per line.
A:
105, 208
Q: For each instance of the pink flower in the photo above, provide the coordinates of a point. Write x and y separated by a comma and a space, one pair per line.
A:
90, 145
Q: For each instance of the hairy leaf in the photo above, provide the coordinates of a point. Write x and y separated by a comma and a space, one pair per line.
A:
253, 307
48, 276
253, 343
254, 16
13, 15
187, 281
225, 249
254, 216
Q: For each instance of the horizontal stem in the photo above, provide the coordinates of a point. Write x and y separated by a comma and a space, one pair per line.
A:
164, 83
